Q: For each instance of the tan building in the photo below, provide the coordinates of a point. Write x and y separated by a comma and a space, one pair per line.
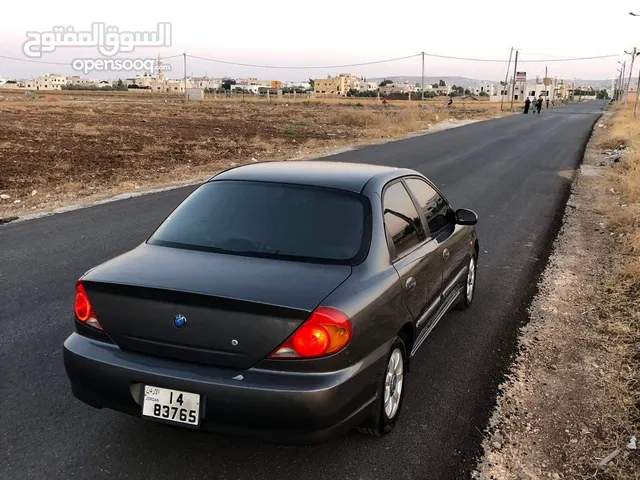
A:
47, 82
339, 85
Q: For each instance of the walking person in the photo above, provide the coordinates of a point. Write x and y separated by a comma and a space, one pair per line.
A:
527, 104
539, 104
547, 103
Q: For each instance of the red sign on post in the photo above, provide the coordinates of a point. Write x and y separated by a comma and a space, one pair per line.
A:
521, 76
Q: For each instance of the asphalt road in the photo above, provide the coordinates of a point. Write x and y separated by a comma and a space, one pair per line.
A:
512, 171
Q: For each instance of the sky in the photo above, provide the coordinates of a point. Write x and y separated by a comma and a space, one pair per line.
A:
309, 34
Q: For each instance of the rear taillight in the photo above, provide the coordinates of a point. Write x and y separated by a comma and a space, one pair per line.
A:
326, 331
83, 309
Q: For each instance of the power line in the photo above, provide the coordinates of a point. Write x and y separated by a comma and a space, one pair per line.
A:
306, 66
375, 62
468, 59
44, 62
34, 61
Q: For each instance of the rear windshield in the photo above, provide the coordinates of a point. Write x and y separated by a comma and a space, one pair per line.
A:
268, 219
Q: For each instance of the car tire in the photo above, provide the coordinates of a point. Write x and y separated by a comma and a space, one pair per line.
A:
469, 291
391, 393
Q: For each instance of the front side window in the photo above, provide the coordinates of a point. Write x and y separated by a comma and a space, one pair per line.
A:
434, 207
401, 219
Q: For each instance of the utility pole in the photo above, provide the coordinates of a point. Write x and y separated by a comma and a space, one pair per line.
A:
544, 81
422, 84
506, 79
513, 84
620, 76
621, 80
633, 57
185, 76
635, 106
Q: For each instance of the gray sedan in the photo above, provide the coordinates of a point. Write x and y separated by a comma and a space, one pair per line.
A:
283, 300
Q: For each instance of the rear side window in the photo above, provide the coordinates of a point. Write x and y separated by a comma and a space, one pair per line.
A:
434, 207
270, 220
401, 219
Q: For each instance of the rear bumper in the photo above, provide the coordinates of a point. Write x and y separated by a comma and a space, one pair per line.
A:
284, 407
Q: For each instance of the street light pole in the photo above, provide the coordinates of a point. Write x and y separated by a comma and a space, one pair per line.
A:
422, 84
506, 79
513, 85
620, 80
633, 54
635, 106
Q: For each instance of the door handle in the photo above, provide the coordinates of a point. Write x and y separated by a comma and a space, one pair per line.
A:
410, 283
445, 254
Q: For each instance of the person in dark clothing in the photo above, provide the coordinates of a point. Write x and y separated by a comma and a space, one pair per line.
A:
539, 104
527, 104
547, 102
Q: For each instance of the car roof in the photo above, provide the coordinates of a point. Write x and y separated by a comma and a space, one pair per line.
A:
345, 176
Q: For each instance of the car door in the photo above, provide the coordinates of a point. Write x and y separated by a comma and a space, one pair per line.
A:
451, 238
413, 254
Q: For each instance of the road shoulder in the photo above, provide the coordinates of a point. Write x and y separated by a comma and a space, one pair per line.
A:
567, 404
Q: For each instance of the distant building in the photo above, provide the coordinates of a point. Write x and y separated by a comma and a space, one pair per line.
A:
47, 82
339, 85
247, 88
331, 86
489, 88
368, 86
405, 88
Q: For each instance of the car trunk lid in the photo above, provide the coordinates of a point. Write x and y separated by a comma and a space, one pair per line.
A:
237, 309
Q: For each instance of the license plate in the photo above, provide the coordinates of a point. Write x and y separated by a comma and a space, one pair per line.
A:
171, 405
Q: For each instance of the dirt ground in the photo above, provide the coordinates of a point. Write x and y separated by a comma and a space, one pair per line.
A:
61, 149
570, 404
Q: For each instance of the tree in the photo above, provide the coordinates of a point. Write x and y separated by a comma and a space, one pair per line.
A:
352, 92
311, 82
453, 94
226, 84
602, 94
459, 90
385, 82
435, 85
121, 86
467, 91
484, 94
442, 84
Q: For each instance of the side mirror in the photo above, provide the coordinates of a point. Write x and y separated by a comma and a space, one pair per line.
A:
466, 217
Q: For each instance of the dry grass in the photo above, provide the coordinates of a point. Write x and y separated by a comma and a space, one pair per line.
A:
89, 145
625, 130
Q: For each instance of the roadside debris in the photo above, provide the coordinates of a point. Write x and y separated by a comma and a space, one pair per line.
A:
632, 445
4, 196
16, 201
612, 156
7, 220
34, 192
609, 457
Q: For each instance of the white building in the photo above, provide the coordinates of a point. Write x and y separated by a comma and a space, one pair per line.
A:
248, 88
205, 82
489, 88
368, 86
524, 90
